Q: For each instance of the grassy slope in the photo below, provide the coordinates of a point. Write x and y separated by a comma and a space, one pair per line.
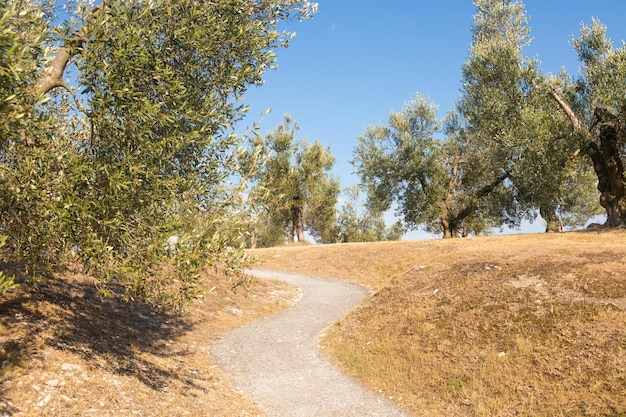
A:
528, 325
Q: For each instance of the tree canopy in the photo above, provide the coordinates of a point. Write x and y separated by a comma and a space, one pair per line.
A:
509, 150
439, 184
356, 223
117, 151
299, 191
596, 108
138, 154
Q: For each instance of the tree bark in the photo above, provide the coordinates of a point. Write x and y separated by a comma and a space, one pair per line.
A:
553, 222
603, 148
609, 168
444, 222
297, 221
53, 77
449, 225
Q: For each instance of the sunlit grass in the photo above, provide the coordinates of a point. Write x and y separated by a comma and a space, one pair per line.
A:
501, 326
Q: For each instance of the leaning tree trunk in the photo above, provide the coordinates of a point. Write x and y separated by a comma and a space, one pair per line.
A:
609, 168
603, 148
553, 222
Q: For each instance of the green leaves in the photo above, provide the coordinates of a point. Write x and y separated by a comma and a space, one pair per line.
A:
404, 162
604, 68
300, 191
362, 224
516, 125
7, 284
150, 156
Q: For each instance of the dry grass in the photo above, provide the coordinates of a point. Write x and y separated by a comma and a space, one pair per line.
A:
528, 325
520, 325
64, 352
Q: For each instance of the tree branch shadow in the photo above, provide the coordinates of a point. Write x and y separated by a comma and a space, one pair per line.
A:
66, 314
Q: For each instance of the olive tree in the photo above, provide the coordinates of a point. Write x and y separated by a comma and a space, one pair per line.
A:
129, 162
596, 108
522, 131
438, 184
359, 223
300, 193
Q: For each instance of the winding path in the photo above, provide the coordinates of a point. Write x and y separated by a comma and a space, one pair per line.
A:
276, 361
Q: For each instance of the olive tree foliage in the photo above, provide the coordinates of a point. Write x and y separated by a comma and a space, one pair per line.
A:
129, 171
356, 223
298, 192
400, 163
463, 184
521, 129
548, 175
509, 151
595, 105
26, 221
438, 184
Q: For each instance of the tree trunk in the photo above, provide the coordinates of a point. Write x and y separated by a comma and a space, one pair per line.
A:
607, 164
553, 222
606, 158
450, 224
446, 230
297, 223
444, 221
450, 227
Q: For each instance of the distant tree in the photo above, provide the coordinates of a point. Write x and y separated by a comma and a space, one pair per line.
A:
143, 153
438, 184
358, 224
300, 193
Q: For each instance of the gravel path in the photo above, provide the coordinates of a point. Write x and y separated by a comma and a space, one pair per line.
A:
276, 361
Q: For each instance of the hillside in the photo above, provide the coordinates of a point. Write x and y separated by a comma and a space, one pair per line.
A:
65, 352
513, 325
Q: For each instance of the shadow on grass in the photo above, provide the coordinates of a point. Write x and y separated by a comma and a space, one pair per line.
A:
118, 337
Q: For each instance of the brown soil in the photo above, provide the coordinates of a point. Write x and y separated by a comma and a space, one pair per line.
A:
65, 352
530, 325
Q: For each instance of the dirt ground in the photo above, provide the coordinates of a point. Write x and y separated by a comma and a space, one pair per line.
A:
529, 325
64, 352
511, 325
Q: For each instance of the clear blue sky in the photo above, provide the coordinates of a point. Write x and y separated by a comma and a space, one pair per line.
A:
355, 61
